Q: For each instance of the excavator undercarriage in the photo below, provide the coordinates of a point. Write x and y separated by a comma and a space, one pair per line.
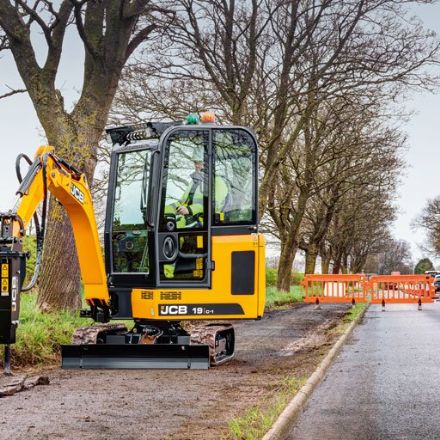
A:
149, 345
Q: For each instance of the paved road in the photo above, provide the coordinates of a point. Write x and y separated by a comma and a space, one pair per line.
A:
385, 384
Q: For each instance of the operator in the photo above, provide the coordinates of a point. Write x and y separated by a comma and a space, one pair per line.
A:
191, 206
191, 202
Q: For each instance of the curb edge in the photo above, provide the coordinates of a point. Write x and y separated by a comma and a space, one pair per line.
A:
286, 419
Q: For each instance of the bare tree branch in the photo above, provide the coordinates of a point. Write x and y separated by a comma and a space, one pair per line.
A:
12, 92
140, 37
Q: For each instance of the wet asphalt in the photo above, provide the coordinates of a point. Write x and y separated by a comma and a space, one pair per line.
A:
385, 383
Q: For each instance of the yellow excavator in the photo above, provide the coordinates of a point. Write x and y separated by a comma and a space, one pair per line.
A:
181, 243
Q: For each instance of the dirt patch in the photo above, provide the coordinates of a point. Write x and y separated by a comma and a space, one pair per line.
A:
174, 404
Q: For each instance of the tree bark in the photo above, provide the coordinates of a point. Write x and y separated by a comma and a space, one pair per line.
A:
345, 268
337, 264
311, 256
62, 251
287, 256
289, 246
325, 264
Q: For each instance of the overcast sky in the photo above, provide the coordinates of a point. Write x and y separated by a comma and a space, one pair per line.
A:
20, 132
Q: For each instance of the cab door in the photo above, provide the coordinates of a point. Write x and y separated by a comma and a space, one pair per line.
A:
183, 247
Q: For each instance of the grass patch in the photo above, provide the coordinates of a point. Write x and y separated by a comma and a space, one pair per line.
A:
39, 335
355, 312
271, 277
259, 418
351, 315
277, 298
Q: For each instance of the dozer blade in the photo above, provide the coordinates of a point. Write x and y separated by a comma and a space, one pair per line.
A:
135, 356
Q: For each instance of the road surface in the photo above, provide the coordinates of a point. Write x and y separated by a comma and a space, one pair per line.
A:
385, 384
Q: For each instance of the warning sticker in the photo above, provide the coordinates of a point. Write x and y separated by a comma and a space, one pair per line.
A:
200, 241
5, 270
199, 263
5, 285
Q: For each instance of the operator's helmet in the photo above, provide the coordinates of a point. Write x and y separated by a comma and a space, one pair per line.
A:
197, 155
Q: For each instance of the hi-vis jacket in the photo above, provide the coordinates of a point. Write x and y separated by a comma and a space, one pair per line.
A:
192, 198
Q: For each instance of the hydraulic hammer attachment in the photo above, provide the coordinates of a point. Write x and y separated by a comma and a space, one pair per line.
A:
12, 272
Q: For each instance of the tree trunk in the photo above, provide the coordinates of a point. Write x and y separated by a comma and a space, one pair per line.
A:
357, 266
358, 263
289, 241
311, 255
325, 264
287, 255
345, 268
285, 271
337, 264
62, 252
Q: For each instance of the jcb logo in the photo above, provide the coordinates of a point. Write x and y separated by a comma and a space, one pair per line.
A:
14, 294
146, 294
77, 193
173, 310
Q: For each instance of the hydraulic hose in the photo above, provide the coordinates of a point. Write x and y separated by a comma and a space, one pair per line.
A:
39, 228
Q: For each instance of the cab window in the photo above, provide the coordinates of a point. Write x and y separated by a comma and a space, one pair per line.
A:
185, 181
130, 252
234, 185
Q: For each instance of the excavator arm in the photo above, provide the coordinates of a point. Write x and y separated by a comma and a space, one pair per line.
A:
49, 173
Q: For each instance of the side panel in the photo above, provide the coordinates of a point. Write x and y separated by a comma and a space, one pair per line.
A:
219, 302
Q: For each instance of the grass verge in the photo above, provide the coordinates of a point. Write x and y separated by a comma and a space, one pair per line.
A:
40, 335
277, 298
351, 315
259, 418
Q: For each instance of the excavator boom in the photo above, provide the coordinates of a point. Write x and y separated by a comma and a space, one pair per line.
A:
49, 173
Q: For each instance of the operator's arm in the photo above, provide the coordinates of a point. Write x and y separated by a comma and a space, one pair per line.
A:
70, 188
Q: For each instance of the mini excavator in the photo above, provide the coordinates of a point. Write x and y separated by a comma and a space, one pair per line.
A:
181, 243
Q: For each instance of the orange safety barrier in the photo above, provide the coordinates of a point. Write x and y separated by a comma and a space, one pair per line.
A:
401, 289
335, 288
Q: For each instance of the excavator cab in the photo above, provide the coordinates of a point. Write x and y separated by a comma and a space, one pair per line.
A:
181, 226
